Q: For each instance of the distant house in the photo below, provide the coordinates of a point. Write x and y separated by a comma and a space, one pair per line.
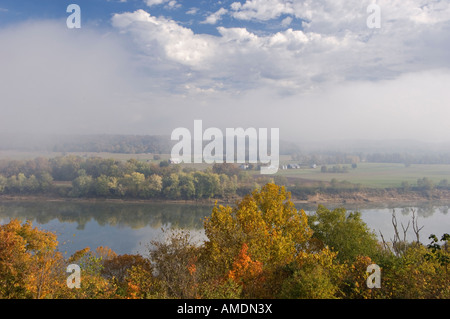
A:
174, 161
313, 166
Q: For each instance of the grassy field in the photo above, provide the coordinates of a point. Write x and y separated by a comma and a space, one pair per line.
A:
376, 175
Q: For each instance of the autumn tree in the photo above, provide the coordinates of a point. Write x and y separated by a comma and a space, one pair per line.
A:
267, 222
421, 271
247, 273
174, 261
118, 270
30, 265
314, 275
93, 284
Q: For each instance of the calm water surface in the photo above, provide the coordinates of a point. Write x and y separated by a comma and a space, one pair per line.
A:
128, 228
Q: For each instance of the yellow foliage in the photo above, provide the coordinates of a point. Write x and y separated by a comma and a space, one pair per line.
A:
266, 221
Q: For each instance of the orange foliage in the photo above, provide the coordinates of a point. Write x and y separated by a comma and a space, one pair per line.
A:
30, 266
244, 268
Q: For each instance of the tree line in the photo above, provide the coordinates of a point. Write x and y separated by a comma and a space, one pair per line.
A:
75, 176
333, 158
262, 247
95, 177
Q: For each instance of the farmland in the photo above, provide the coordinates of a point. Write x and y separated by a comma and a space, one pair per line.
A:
375, 175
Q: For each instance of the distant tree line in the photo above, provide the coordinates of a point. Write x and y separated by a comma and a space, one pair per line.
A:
340, 158
425, 184
335, 169
127, 144
76, 176
408, 159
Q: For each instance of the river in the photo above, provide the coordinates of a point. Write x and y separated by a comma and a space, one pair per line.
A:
128, 228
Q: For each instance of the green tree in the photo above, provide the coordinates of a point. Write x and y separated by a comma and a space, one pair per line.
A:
65, 168
102, 186
228, 169
207, 184
345, 233
3, 183
45, 180
32, 184
93, 284
155, 185
82, 186
425, 184
133, 183
171, 189
186, 185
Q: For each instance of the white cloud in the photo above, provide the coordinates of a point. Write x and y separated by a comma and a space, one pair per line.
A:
155, 2
216, 16
286, 21
237, 55
331, 16
356, 81
173, 4
170, 4
261, 9
192, 11
239, 59
165, 39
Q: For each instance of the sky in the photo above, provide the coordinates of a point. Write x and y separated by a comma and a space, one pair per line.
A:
315, 69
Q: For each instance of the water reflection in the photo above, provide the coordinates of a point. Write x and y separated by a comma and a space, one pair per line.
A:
433, 216
423, 209
133, 215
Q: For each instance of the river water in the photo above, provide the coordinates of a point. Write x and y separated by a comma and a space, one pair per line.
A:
128, 228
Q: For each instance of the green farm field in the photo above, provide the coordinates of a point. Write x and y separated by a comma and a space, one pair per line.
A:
376, 175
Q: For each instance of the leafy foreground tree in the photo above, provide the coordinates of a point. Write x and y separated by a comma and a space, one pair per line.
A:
253, 250
344, 232
262, 243
30, 265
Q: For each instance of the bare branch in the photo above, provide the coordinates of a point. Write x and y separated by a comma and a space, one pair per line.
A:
415, 225
405, 231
